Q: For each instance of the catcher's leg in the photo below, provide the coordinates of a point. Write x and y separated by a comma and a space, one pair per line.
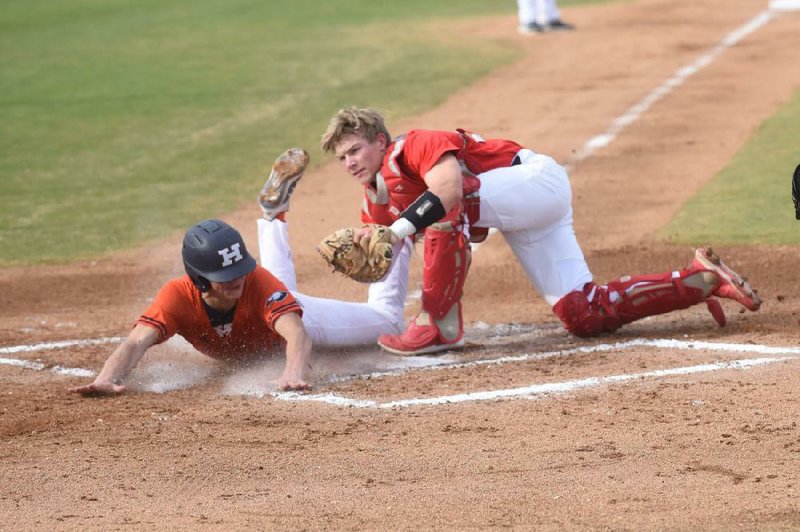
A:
605, 308
533, 195
439, 325
731, 285
531, 205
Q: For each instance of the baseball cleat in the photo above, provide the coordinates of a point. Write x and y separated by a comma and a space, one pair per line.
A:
553, 25
731, 284
531, 27
559, 25
286, 171
423, 335
402, 344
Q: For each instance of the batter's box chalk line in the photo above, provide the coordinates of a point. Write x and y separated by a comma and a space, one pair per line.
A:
537, 390
49, 346
451, 361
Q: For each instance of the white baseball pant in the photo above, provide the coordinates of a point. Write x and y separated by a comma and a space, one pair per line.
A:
331, 322
531, 205
537, 11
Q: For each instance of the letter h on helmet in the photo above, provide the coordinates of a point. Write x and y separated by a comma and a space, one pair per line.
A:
213, 251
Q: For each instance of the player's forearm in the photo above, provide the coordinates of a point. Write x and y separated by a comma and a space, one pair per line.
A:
298, 351
298, 355
121, 362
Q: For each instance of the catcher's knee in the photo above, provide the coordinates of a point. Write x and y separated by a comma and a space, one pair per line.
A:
582, 317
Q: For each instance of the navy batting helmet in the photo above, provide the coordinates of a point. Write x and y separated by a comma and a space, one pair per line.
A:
214, 251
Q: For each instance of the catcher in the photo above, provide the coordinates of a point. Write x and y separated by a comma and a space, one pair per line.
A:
226, 306
452, 186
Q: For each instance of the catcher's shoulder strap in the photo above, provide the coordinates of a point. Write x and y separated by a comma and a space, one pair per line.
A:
380, 194
397, 148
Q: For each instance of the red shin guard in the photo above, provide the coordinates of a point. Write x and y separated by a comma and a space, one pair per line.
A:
447, 258
605, 308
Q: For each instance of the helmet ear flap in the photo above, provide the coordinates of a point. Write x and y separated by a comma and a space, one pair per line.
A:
201, 282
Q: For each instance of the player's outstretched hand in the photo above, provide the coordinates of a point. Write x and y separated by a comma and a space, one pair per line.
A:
292, 384
98, 389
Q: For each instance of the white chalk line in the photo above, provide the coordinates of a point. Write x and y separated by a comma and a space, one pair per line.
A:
635, 112
785, 5
619, 346
57, 345
526, 391
561, 387
47, 346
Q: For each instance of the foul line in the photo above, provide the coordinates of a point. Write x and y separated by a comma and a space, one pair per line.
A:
633, 114
57, 345
38, 366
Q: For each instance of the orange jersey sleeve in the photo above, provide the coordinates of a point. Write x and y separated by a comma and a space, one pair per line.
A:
178, 309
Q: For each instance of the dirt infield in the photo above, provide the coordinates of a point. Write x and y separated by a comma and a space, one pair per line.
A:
628, 431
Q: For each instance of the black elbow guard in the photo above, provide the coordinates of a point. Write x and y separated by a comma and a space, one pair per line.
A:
426, 210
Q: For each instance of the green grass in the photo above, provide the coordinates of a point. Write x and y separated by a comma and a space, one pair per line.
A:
750, 200
124, 120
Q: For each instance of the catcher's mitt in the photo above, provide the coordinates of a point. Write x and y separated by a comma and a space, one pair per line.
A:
366, 262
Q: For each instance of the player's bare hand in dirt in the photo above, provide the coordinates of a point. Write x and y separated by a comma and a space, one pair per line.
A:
293, 379
292, 384
98, 389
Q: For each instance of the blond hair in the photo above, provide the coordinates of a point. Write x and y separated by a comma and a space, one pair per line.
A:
366, 123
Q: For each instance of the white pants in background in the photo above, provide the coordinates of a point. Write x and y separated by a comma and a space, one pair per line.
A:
331, 322
537, 11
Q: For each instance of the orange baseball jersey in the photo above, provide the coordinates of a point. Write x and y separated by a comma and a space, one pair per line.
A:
179, 309
411, 156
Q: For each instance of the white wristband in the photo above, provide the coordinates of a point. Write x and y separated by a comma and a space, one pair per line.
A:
403, 228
